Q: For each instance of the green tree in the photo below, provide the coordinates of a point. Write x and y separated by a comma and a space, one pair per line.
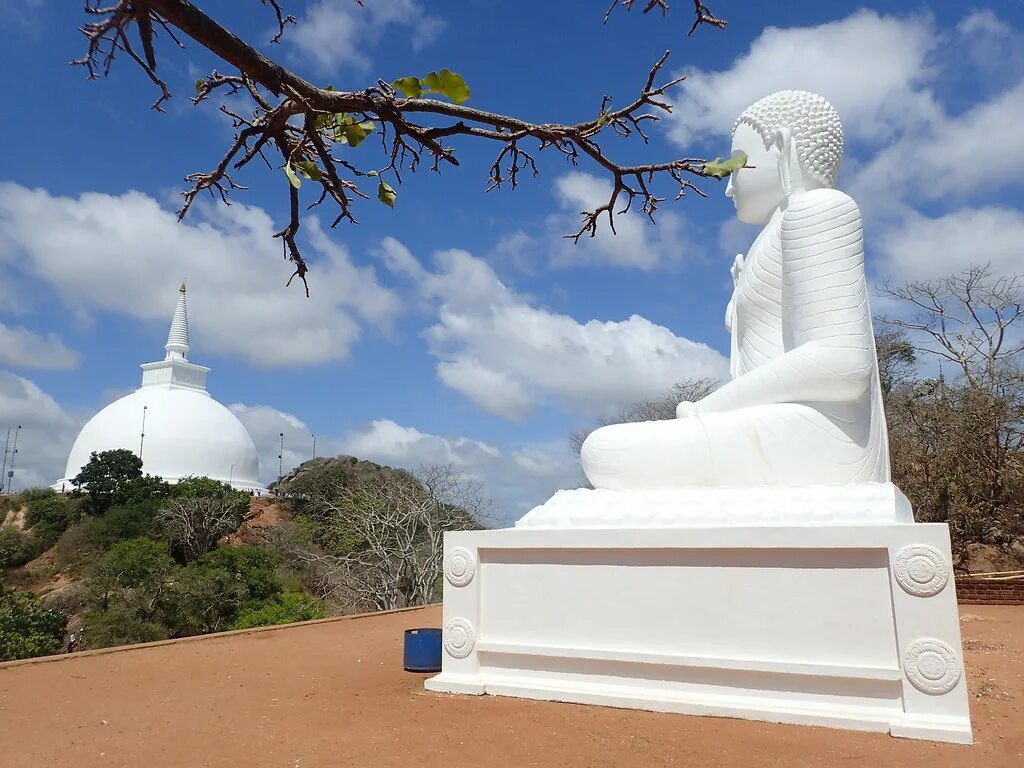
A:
123, 522
206, 487
281, 609
210, 594
107, 477
135, 572
254, 568
127, 590
28, 629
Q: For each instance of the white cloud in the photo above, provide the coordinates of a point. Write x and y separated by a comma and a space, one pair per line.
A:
508, 355
994, 47
47, 431
22, 348
336, 33
517, 477
904, 147
636, 242
520, 250
266, 424
126, 254
869, 66
923, 247
956, 156
879, 71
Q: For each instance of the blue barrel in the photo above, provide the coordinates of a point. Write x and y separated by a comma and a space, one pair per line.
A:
422, 650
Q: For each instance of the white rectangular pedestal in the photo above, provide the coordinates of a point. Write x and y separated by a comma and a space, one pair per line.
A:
843, 626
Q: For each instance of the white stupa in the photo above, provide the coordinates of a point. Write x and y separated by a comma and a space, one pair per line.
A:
172, 423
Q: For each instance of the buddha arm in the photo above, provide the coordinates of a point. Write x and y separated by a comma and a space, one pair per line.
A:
825, 321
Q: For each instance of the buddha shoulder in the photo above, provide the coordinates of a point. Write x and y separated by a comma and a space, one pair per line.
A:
819, 204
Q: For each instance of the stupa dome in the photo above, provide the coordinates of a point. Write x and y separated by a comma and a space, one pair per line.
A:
172, 423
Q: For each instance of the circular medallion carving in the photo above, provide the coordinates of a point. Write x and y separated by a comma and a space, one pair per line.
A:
921, 570
459, 637
932, 666
459, 566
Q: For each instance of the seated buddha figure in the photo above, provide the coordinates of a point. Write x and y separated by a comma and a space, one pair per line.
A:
803, 406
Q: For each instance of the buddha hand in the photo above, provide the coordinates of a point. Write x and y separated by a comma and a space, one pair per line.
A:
736, 268
686, 409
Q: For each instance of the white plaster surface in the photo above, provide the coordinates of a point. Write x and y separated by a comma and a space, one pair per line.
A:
867, 503
800, 624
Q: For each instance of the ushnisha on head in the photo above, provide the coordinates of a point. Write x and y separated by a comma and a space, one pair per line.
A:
793, 141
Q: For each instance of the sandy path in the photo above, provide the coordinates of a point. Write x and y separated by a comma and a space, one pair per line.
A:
334, 694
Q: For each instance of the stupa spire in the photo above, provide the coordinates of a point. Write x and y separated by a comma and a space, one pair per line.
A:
177, 338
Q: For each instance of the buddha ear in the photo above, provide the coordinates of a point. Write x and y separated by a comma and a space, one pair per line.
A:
789, 164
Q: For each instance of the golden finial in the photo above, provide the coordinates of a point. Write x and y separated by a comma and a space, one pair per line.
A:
182, 289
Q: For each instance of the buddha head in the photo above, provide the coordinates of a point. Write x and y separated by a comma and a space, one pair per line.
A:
793, 141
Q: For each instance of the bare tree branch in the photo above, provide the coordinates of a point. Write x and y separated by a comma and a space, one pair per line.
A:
397, 522
195, 524
310, 128
964, 318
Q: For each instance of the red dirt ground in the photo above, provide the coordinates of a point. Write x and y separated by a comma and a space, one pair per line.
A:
334, 694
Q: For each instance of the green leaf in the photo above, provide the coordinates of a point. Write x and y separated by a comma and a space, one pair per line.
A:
355, 132
309, 169
447, 83
719, 169
200, 84
372, 173
290, 173
329, 88
411, 87
602, 120
386, 194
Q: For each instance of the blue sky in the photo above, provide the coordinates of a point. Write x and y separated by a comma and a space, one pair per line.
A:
461, 326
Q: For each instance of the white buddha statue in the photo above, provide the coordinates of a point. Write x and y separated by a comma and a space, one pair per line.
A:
804, 404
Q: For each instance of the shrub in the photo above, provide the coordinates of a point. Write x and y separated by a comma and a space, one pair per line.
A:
253, 567
123, 522
74, 546
207, 487
19, 547
211, 593
36, 494
10, 546
28, 629
281, 609
136, 563
120, 624
48, 512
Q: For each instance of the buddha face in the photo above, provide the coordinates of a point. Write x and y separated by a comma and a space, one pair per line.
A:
756, 190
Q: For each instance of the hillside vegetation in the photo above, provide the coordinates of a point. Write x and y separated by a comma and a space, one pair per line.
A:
128, 558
